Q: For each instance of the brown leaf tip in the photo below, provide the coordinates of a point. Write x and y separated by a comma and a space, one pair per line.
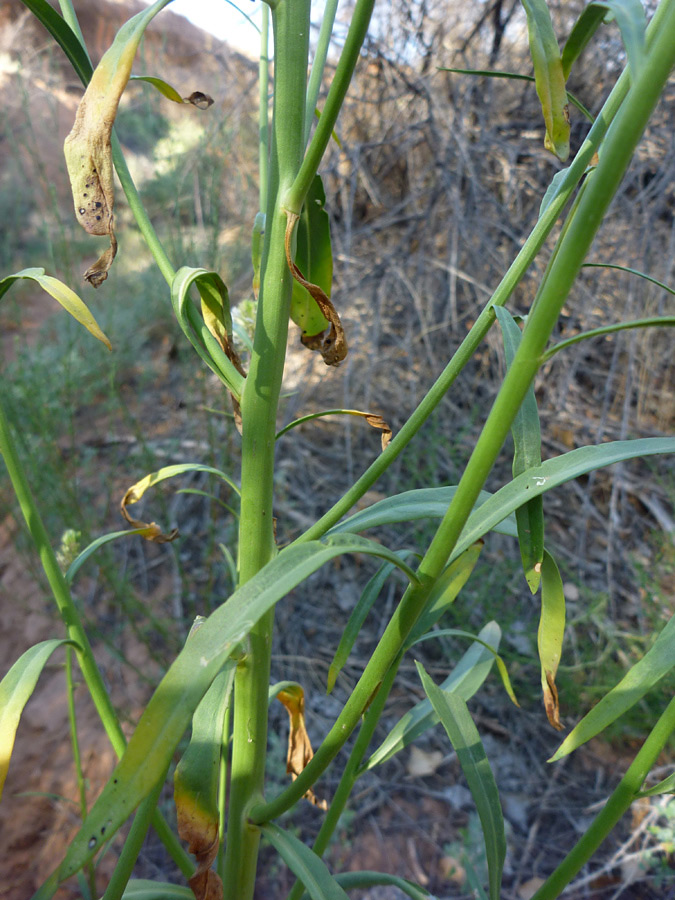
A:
200, 100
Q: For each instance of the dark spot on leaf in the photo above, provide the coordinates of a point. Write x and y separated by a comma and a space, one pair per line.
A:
81, 209
98, 218
98, 204
92, 843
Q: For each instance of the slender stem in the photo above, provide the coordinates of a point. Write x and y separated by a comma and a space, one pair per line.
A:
73, 624
77, 756
263, 110
259, 409
319, 62
222, 793
295, 196
625, 132
614, 809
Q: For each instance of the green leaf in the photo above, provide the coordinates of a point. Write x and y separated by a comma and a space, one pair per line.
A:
16, 689
631, 272
198, 99
314, 258
64, 295
491, 73
548, 77
412, 506
630, 17
352, 881
309, 868
445, 591
355, 622
64, 36
88, 551
457, 632
667, 786
195, 782
526, 435
142, 889
550, 474
652, 322
171, 707
639, 679
582, 31
463, 734
213, 292
464, 680
550, 635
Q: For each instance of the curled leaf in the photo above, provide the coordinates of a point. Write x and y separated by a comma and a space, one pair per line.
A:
374, 420
87, 148
299, 747
333, 347
550, 635
197, 98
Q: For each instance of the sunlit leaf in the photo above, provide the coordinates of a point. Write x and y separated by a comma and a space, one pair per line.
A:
16, 689
639, 679
87, 148
463, 734
63, 294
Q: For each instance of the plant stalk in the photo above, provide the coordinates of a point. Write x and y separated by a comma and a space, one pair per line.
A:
259, 403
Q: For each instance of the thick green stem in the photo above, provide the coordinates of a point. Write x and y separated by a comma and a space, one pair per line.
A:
623, 136
259, 409
614, 809
263, 109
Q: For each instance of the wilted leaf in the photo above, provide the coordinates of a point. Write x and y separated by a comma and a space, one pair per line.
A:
299, 747
87, 148
150, 530
198, 99
333, 347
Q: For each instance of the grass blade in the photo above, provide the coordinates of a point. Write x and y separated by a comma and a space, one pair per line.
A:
463, 734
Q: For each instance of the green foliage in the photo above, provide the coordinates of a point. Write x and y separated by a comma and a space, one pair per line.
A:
219, 680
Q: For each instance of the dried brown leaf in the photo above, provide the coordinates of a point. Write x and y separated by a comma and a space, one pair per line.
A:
299, 747
551, 704
151, 530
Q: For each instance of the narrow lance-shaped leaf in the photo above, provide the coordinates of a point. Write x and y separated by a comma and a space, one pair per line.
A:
639, 679
63, 294
463, 734
16, 689
309, 868
195, 783
465, 679
550, 635
549, 78
526, 454
196, 98
87, 147
171, 707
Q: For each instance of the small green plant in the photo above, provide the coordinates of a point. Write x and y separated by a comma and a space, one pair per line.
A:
219, 682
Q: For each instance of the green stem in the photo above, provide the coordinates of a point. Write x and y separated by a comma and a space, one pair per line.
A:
263, 111
295, 196
618, 803
73, 624
77, 757
319, 63
625, 131
259, 410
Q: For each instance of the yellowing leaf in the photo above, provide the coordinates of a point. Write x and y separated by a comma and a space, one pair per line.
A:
61, 292
87, 148
197, 98
299, 747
